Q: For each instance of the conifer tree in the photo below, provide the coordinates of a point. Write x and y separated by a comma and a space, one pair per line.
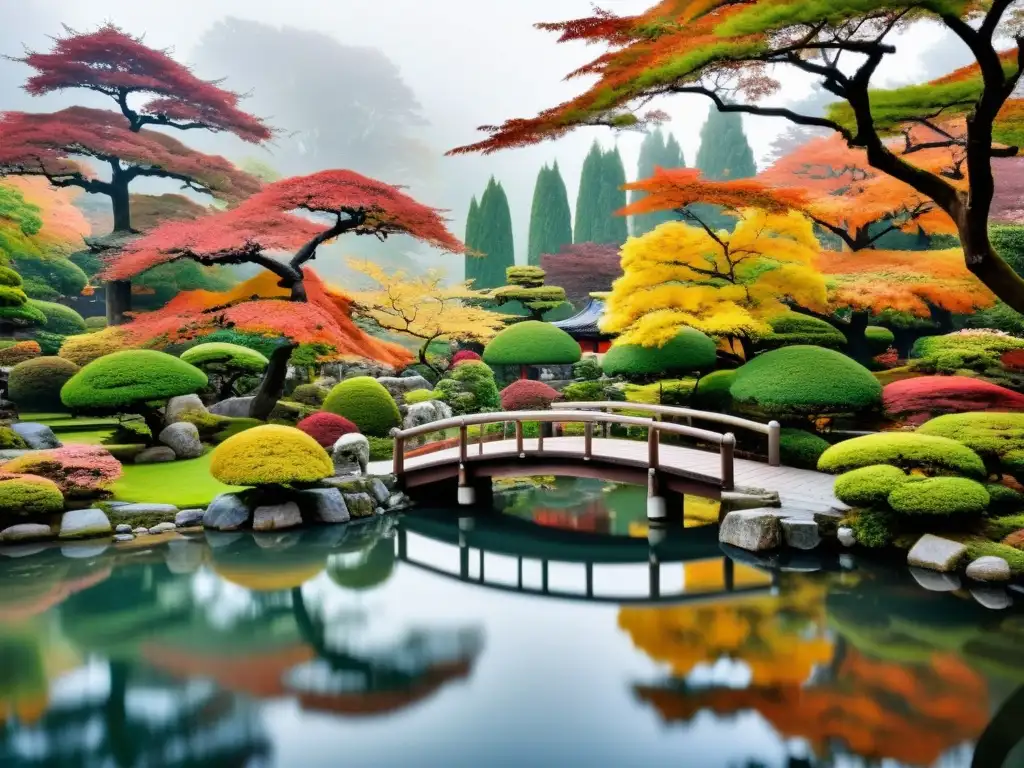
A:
472, 233
550, 217
655, 152
724, 155
493, 239
609, 226
586, 199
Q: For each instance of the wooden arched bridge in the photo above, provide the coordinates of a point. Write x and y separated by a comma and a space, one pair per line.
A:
706, 465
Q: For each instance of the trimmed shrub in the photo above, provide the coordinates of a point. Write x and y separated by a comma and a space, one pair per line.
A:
975, 350
270, 455
469, 388
525, 395
1004, 501
592, 392
879, 339
79, 471
929, 396
588, 368
83, 349
874, 527
801, 449
792, 328
49, 343
420, 396
667, 392
532, 342
20, 352
326, 428
221, 356
381, 448
712, 392
996, 437
940, 496
36, 384
906, 450
462, 356
59, 319
689, 350
11, 440
117, 381
364, 401
310, 394
869, 486
805, 380
96, 322
28, 495
265, 345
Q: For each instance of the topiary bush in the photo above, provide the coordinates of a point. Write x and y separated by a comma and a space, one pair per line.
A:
59, 319
11, 440
525, 395
420, 396
587, 369
27, 495
19, 353
802, 449
310, 394
1004, 501
869, 486
791, 328
462, 356
224, 357
970, 349
326, 428
83, 349
36, 384
532, 342
49, 343
207, 424
874, 528
79, 471
592, 392
270, 455
879, 339
805, 380
689, 350
996, 437
95, 323
940, 496
906, 450
364, 401
712, 392
917, 400
469, 388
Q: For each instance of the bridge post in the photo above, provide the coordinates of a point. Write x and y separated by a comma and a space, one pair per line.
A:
398, 458
728, 451
774, 447
519, 440
464, 443
467, 493
653, 444
656, 509
588, 440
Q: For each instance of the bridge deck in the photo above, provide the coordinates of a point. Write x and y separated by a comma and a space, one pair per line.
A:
798, 489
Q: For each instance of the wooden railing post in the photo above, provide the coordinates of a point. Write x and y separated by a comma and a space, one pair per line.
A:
774, 447
519, 440
588, 440
653, 443
398, 460
540, 436
728, 451
463, 443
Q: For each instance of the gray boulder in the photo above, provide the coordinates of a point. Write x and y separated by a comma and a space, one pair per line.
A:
236, 407
755, 530
936, 582
161, 528
846, 536
351, 454
177, 407
121, 538
26, 532
158, 454
183, 439
989, 568
324, 505
276, 517
36, 436
227, 512
419, 414
84, 524
140, 530
123, 528
359, 504
188, 518
7, 454
936, 554
800, 534
397, 386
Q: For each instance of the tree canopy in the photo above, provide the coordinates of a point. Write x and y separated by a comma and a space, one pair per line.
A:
493, 250
550, 216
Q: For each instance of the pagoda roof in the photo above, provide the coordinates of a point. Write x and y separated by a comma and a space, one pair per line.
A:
585, 323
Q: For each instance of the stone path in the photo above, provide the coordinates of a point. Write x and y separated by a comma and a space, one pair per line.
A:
800, 490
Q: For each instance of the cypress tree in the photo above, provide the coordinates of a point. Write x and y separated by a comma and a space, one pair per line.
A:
724, 155
610, 227
655, 152
550, 218
493, 238
472, 235
586, 199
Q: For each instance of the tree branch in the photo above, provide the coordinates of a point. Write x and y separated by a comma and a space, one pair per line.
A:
308, 251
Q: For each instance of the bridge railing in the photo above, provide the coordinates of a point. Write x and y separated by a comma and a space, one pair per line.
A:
725, 441
772, 429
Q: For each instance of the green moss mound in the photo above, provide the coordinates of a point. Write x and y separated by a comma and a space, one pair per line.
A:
132, 376
420, 396
802, 449
222, 355
805, 380
791, 328
11, 440
36, 384
381, 448
59, 319
469, 388
1004, 501
270, 455
906, 450
310, 394
364, 401
712, 391
95, 323
879, 339
689, 350
27, 495
996, 437
532, 342
874, 527
940, 496
869, 486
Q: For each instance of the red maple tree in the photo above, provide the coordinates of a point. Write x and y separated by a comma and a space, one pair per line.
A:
118, 65
582, 269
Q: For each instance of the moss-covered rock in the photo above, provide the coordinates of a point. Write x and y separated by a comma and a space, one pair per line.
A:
689, 350
469, 388
940, 496
367, 404
906, 450
27, 496
36, 384
869, 486
270, 455
532, 342
11, 440
310, 394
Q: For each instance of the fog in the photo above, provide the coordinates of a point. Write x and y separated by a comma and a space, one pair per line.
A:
450, 65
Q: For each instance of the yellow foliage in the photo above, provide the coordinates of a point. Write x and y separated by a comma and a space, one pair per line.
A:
422, 307
724, 284
270, 455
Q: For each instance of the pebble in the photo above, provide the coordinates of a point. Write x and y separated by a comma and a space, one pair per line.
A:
162, 528
140, 530
124, 537
123, 528
846, 536
989, 568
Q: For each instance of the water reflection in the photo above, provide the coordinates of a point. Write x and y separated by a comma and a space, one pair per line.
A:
300, 649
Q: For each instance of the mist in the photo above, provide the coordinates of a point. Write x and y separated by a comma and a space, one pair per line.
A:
448, 66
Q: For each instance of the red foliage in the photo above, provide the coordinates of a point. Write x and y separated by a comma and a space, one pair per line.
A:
464, 356
928, 396
527, 395
326, 428
115, 63
264, 222
582, 269
80, 471
1013, 359
42, 143
889, 358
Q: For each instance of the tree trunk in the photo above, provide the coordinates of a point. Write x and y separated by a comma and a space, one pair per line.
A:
119, 292
272, 385
154, 420
856, 337
942, 318
424, 361
227, 387
747, 345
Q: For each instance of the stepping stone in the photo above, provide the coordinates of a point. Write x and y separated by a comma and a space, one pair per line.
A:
936, 554
755, 530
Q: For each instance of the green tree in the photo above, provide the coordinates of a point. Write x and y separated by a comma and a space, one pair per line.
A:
724, 155
655, 152
612, 228
550, 217
587, 197
492, 237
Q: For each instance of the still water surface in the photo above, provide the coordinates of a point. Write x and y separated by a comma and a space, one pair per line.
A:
388, 644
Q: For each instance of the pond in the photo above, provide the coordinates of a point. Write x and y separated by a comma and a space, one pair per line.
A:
553, 633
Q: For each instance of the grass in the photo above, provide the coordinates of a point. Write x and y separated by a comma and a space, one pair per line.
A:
87, 437
182, 483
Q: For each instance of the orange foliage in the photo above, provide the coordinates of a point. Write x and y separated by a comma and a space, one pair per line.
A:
64, 225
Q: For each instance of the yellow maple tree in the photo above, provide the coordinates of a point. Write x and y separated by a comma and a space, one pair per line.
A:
423, 307
725, 284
